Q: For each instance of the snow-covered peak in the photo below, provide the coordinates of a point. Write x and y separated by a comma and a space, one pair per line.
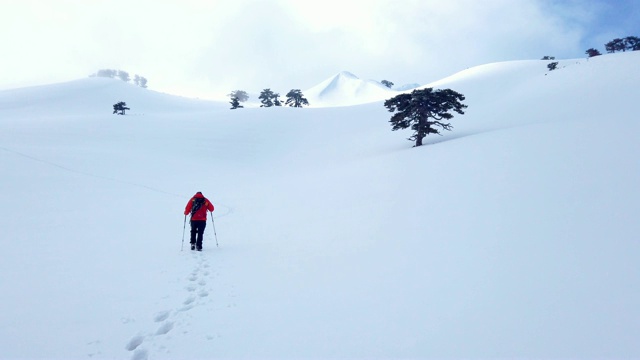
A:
344, 89
347, 75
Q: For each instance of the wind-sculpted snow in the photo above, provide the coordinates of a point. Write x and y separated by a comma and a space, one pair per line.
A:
512, 236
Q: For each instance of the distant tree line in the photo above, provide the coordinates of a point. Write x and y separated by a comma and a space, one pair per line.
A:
629, 43
122, 75
268, 98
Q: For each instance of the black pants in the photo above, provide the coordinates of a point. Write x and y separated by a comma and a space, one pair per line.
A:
197, 228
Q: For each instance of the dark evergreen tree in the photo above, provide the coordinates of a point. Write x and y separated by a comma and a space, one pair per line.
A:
295, 98
241, 95
235, 103
632, 43
547, 57
120, 107
387, 83
615, 45
424, 111
266, 98
593, 52
552, 66
276, 100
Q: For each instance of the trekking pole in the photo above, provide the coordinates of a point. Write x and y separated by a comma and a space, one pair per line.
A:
214, 229
183, 229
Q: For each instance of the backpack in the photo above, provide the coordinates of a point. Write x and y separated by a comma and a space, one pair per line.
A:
197, 204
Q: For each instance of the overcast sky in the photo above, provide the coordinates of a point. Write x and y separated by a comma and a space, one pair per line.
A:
207, 48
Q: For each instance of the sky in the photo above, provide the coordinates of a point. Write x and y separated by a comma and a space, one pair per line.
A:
206, 49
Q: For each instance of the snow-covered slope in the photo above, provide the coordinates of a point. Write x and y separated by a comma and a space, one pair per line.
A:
345, 89
514, 235
94, 96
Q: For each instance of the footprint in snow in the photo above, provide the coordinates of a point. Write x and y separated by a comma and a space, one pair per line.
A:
140, 354
165, 328
186, 308
134, 342
161, 316
189, 300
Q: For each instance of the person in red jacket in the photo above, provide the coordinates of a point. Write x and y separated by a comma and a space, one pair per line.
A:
198, 207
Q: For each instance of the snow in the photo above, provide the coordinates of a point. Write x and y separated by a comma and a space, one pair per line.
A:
514, 235
346, 89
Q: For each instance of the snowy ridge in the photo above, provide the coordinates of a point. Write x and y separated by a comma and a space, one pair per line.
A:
345, 89
513, 236
96, 94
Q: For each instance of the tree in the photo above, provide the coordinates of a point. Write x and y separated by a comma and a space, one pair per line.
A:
295, 98
632, 43
593, 52
120, 107
268, 98
265, 98
123, 75
140, 81
241, 95
552, 66
547, 57
276, 101
110, 73
387, 83
615, 45
235, 103
417, 108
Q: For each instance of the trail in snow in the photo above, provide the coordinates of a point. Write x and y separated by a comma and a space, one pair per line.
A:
198, 285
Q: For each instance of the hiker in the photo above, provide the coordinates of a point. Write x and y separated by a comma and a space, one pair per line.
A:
198, 207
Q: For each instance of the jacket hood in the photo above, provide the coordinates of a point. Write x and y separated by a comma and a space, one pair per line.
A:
198, 195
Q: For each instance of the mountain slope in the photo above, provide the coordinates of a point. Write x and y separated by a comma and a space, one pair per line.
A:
514, 235
94, 95
345, 89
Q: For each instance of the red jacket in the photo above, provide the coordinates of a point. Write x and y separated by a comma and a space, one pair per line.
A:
200, 214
